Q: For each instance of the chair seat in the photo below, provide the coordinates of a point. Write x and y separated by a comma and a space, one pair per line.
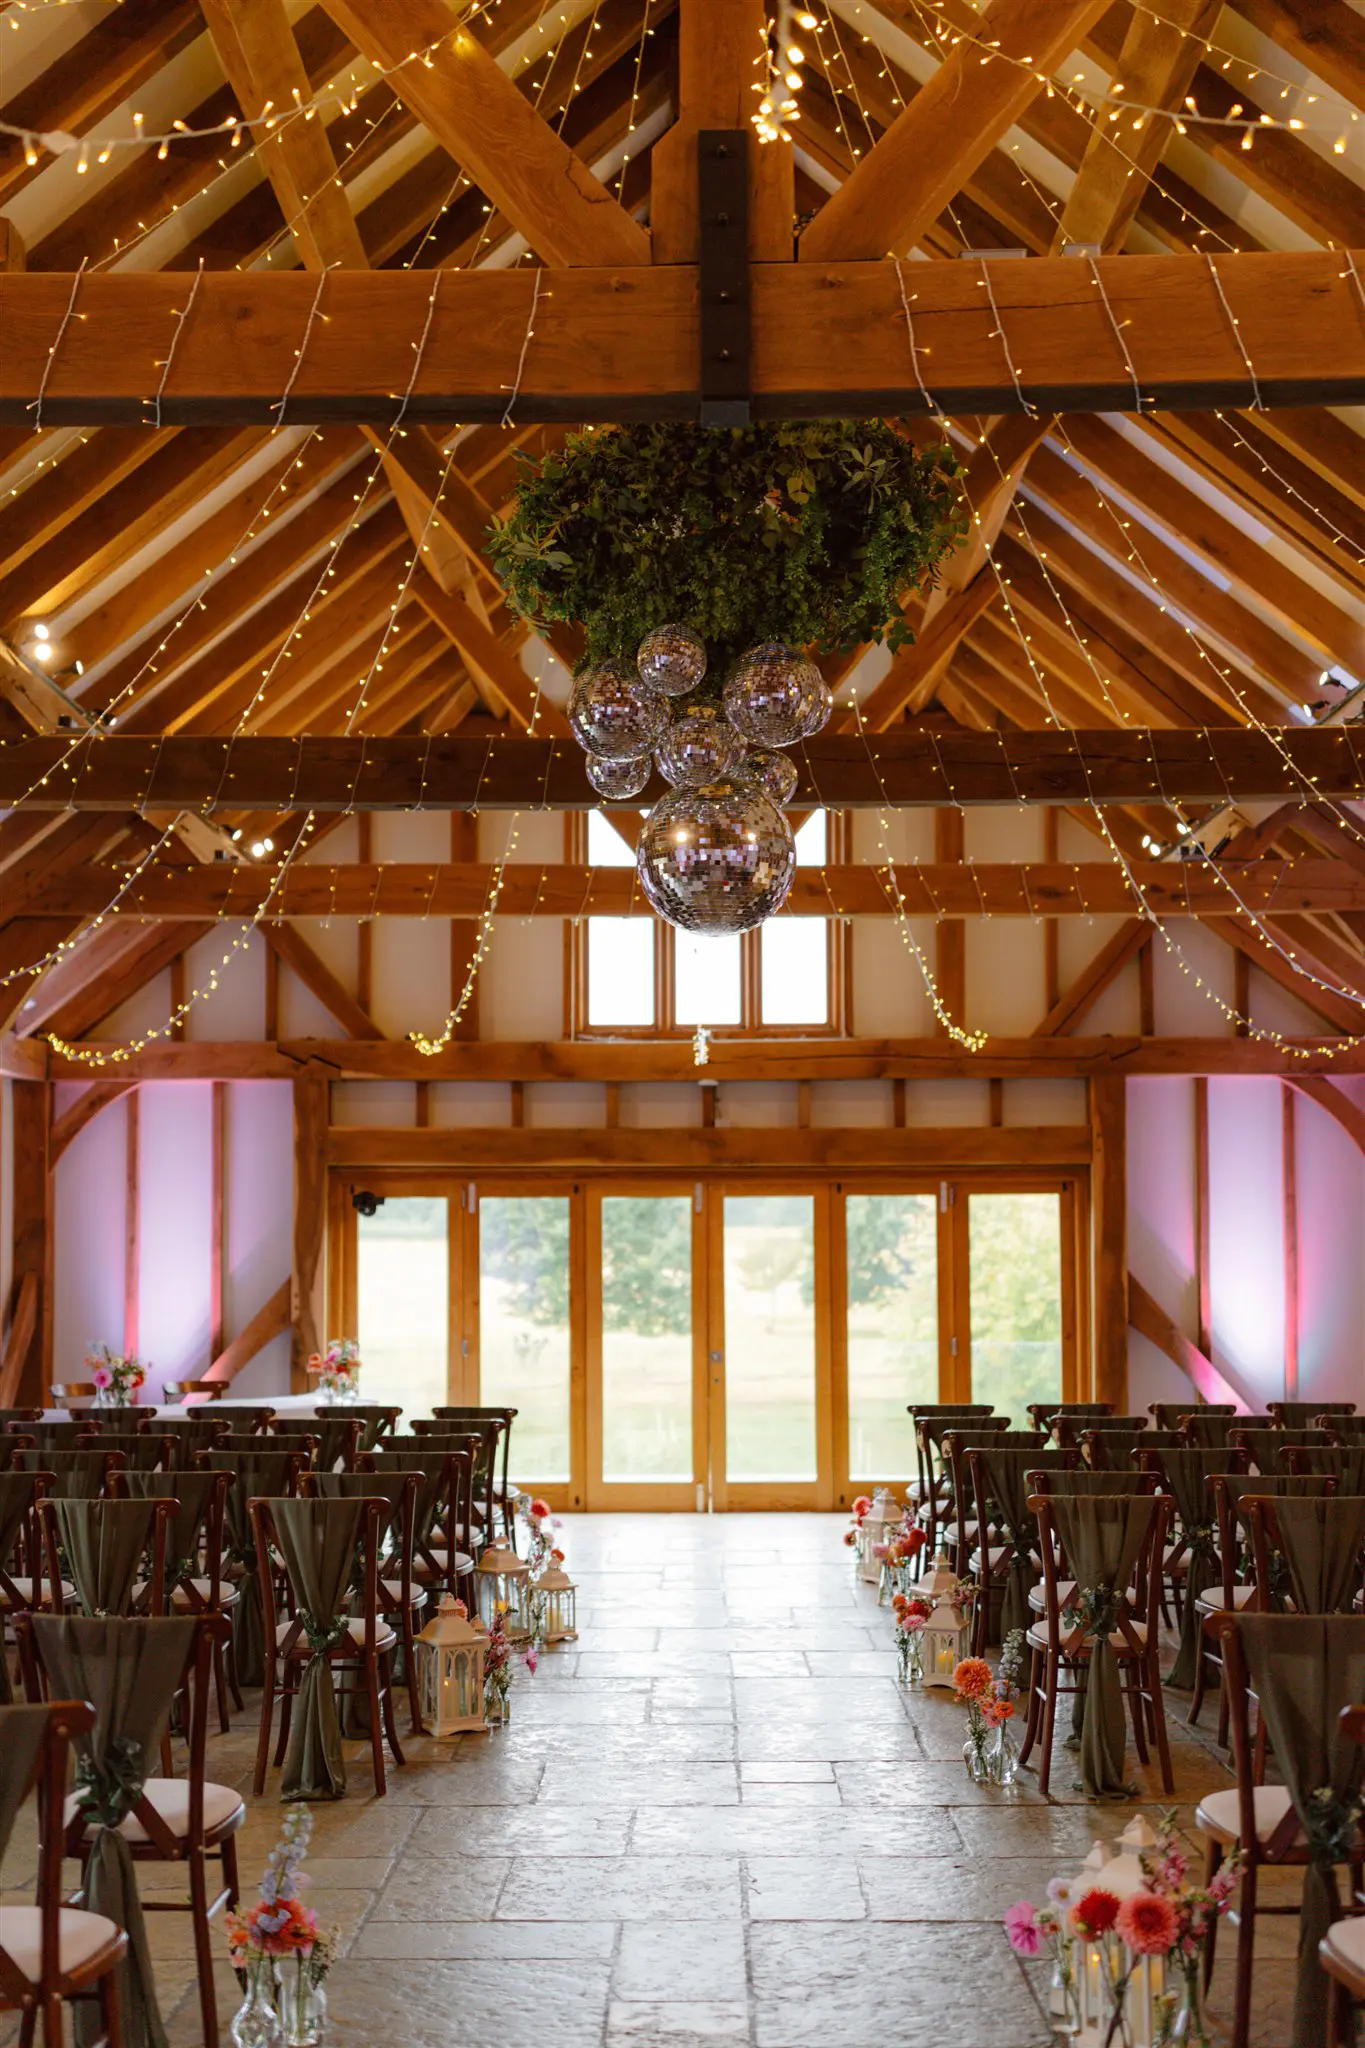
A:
421, 1569
229, 1593
224, 1809
24, 1588
1218, 1813
391, 1593
81, 1939
1037, 1638
1037, 1599
995, 1552
1211, 1601
1344, 1945
384, 1637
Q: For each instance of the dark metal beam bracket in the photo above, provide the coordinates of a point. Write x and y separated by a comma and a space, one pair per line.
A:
723, 280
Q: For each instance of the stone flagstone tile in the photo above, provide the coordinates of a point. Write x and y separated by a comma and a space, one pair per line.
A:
803, 1888
841, 1986
680, 1961
623, 1888
654, 2023
670, 1784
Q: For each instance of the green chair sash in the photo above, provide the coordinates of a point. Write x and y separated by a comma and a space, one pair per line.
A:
1087, 1483
1005, 1475
76, 1475
1304, 1669
129, 1671
16, 1496
257, 1475
318, 1541
1322, 1541
1187, 1475
104, 1542
192, 1493
21, 1735
1103, 1537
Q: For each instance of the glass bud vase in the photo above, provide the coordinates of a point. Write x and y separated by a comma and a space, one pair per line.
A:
911, 1651
975, 1758
1188, 2026
1063, 2006
497, 1710
301, 2004
1003, 1757
254, 2024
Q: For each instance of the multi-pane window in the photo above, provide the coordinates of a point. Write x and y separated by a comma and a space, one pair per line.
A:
635, 974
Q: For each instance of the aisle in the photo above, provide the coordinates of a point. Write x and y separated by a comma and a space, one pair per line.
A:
719, 1821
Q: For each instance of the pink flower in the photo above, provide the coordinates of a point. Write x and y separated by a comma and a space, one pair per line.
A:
861, 1506
1094, 1913
1148, 1923
1021, 1926
102, 1377
540, 1510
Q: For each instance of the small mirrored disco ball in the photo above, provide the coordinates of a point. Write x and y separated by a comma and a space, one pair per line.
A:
613, 714
773, 772
619, 778
672, 659
700, 744
717, 858
769, 694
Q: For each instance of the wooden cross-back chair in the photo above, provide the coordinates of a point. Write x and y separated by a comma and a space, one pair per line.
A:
52, 1954
948, 1437
1062, 1649
190, 1822
401, 1596
500, 1453
444, 1532
1168, 1414
1006, 1554
1042, 1414
1117, 1448
1341, 1951
1304, 1414
928, 1491
1262, 1819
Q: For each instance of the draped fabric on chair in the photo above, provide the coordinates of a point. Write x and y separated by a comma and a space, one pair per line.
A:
1088, 1484
76, 1475
1345, 1463
1321, 1541
258, 1475
335, 1435
1005, 1476
1209, 1430
16, 1498
430, 1468
318, 1541
1187, 1474
1265, 1445
192, 1491
129, 1671
1102, 1538
105, 1542
1304, 1669
21, 1737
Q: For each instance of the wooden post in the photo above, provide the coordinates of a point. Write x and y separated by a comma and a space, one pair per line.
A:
13, 255
32, 1195
1052, 971
364, 973
1201, 1212
721, 45
1109, 1195
311, 1113
132, 1224
950, 934
1289, 1158
464, 931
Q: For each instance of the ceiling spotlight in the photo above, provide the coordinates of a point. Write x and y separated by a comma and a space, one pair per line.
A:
41, 632
258, 849
269, 845
42, 650
238, 833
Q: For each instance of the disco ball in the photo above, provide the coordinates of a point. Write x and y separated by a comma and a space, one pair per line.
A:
768, 694
700, 744
774, 773
614, 714
619, 778
671, 659
718, 858
820, 707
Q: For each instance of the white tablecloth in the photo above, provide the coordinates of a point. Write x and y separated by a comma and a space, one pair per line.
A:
283, 1404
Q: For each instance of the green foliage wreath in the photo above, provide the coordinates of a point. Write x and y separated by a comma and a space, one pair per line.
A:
805, 531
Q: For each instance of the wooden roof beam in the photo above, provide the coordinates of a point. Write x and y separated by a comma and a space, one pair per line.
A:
473, 109
1112, 765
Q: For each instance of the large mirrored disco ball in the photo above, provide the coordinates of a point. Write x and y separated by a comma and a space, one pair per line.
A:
820, 706
768, 694
613, 714
718, 858
619, 778
700, 744
774, 773
672, 659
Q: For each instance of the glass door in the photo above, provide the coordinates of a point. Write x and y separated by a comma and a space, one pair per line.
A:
1017, 1325
403, 1300
526, 1350
646, 1408
769, 1407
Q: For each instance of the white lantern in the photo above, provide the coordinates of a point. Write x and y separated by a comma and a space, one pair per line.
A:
879, 1524
503, 1578
555, 1599
450, 1653
948, 1628
1122, 1875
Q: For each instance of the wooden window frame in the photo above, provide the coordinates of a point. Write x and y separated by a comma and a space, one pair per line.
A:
838, 968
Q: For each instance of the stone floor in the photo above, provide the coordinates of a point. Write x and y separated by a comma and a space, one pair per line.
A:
718, 1820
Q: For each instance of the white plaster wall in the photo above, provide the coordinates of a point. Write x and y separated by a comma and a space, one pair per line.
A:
1246, 1252
259, 1217
88, 1232
175, 1185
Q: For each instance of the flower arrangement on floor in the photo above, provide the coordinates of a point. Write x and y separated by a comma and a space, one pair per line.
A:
989, 1752
337, 1369
539, 1523
1127, 1941
862, 1508
899, 1561
117, 1376
497, 1668
280, 1954
911, 1615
